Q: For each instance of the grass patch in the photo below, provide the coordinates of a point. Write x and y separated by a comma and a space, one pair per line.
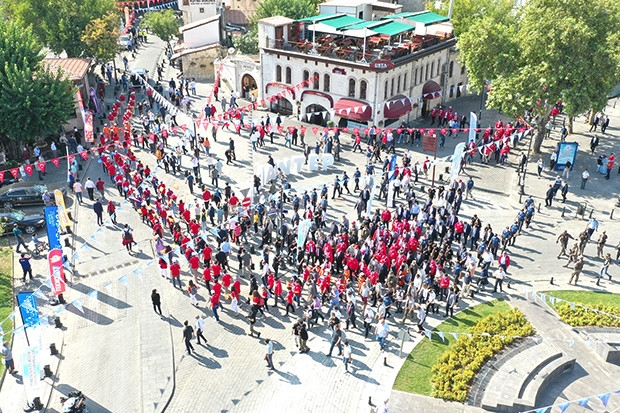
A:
415, 375
604, 302
6, 294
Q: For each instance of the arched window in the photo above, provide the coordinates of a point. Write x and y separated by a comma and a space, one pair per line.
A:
438, 66
392, 88
306, 77
415, 77
451, 70
426, 74
326, 82
385, 90
398, 85
288, 75
405, 82
278, 73
363, 87
351, 88
315, 81
432, 69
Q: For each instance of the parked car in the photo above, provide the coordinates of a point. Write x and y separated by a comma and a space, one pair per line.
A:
24, 194
125, 41
136, 74
27, 223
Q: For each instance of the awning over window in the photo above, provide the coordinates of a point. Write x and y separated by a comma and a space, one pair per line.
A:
353, 109
431, 90
396, 107
317, 93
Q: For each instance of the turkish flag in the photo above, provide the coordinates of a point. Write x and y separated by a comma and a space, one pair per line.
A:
70, 158
15, 172
303, 129
84, 155
216, 126
410, 130
1, 176
356, 131
444, 131
455, 130
345, 130
477, 130
56, 162
366, 131
184, 127
28, 169
466, 130
41, 166
389, 130
174, 130
432, 131
280, 129
262, 102
291, 129
315, 130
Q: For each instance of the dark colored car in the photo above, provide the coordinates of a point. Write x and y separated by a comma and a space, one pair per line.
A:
27, 223
24, 194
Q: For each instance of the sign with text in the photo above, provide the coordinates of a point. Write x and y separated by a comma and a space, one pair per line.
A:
52, 224
57, 271
382, 64
28, 308
63, 216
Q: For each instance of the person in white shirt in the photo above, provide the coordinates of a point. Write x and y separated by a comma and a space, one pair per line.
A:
200, 327
269, 354
77, 189
585, 176
346, 356
90, 188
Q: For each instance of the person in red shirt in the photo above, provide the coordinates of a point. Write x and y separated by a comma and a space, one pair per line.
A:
163, 267
215, 304
297, 290
216, 269
277, 292
226, 281
289, 300
206, 276
194, 263
206, 255
175, 272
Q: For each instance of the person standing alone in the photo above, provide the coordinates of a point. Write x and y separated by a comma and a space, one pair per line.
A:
188, 334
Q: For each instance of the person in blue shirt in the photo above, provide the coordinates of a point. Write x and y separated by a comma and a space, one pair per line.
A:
24, 261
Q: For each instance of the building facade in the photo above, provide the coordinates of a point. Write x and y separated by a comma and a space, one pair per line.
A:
342, 68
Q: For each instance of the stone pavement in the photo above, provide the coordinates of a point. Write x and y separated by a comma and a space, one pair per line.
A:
119, 345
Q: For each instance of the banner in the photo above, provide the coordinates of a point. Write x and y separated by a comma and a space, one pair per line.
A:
567, 152
31, 372
390, 195
87, 117
392, 167
28, 308
459, 150
63, 216
57, 271
370, 199
473, 124
302, 232
52, 223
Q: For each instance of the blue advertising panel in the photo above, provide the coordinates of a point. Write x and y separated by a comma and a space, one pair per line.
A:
567, 152
52, 222
28, 308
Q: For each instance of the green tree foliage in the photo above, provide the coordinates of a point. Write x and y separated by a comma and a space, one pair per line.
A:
59, 24
33, 100
247, 43
468, 13
101, 37
163, 24
547, 51
297, 9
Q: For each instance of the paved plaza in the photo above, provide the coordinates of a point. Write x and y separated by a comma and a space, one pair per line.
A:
126, 358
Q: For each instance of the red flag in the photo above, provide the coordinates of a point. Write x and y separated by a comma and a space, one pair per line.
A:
174, 130
291, 129
269, 128
56, 162
366, 131
15, 172
41, 166
216, 126
70, 158
315, 130
28, 169
410, 130
466, 130
84, 155
280, 129
444, 131
356, 131
184, 127
455, 130
303, 129
345, 130
477, 130
432, 131
262, 102
1, 176
389, 130
422, 130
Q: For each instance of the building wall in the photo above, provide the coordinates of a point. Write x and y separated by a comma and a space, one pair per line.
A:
202, 35
199, 65
413, 5
194, 10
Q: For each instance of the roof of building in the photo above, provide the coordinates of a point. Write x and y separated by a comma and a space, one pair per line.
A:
388, 27
199, 23
185, 52
74, 67
236, 17
425, 17
355, 3
277, 21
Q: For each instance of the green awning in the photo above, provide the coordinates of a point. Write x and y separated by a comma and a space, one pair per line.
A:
392, 28
341, 21
428, 18
316, 18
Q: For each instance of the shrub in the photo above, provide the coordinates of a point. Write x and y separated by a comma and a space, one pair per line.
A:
456, 368
580, 317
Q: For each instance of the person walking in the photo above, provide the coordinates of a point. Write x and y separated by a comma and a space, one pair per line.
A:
303, 339
7, 357
90, 189
98, 208
156, 300
336, 340
269, 353
604, 269
24, 261
382, 331
128, 238
188, 334
602, 239
19, 237
77, 190
346, 356
252, 320
192, 290
500, 275
369, 316
585, 176
112, 211
549, 196
100, 185
577, 270
200, 327
215, 304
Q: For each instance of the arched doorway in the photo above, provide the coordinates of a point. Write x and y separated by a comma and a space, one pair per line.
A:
431, 90
282, 106
248, 86
319, 115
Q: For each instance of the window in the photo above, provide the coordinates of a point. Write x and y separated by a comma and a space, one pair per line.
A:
438, 66
306, 77
363, 87
451, 91
351, 88
288, 75
398, 85
385, 90
451, 70
278, 73
463, 69
326, 81
315, 81
392, 87
432, 69
426, 74
405, 82
415, 77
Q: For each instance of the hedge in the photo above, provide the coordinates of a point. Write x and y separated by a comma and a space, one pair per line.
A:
580, 317
456, 368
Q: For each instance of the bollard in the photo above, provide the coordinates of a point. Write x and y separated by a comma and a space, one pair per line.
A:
611, 216
563, 211
591, 212
53, 350
57, 322
47, 371
551, 282
370, 400
385, 361
539, 207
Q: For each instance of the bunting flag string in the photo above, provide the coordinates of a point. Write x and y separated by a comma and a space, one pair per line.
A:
551, 299
442, 335
583, 402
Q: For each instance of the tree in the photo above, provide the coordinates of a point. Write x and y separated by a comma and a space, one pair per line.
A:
468, 13
59, 24
547, 51
247, 43
163, 24
297, 9
101, 37
33, 100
